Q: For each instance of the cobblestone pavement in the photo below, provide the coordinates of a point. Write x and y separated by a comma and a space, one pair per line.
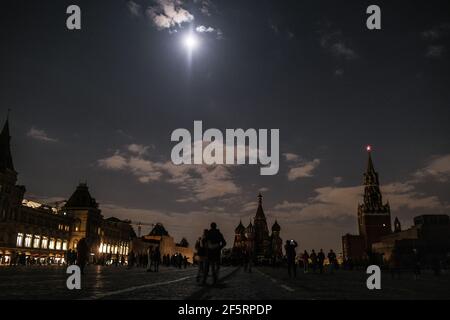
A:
170, 283
99, 283
352, 285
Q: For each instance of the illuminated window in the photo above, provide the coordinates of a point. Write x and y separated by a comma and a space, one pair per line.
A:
37, 241
28, 238
77, 225
19, 242
115, 249
51, 244
64, 245
108, 249
58, 244
44, 243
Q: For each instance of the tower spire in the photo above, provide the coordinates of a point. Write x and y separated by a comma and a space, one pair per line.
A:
261, 230
370, 167
372, 194
260, 211
374, 216
5, 147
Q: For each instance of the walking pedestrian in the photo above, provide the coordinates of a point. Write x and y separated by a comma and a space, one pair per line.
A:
156, 258
313, 257
82, 254
247, 258
321, 260
215, 242
332, 260
290, 247
149, 258
305, 259
200, 247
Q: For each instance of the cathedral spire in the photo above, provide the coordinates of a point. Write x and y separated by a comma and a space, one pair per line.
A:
260, 212
5, 147
261, 230
240, 228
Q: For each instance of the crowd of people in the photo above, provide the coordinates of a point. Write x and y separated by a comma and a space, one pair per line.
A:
152, 259
309, 262
208, 258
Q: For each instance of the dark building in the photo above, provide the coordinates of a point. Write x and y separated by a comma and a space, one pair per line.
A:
256, 238
42, 233
159, 236
427, 239
353, 247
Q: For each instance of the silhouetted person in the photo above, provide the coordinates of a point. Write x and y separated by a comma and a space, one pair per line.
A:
321, 260
130, 259
200, 247
215, 242
436, 265
179, 260
416, 264
82, 254
247, 257
394, 264
305, 259
149, 258
313, 257
290, 255
156, 258
332, 260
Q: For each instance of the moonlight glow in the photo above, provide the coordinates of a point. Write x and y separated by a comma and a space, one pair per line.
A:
190, 41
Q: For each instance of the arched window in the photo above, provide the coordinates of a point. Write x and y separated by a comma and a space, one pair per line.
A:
77, 225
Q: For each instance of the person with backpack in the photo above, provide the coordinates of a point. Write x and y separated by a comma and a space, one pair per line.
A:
215, 242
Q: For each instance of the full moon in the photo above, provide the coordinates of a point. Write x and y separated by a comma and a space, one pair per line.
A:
190, 41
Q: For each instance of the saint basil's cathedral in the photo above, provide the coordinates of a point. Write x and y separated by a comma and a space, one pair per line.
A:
256, 240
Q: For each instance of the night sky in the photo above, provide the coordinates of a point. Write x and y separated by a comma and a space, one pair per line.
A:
99, 105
